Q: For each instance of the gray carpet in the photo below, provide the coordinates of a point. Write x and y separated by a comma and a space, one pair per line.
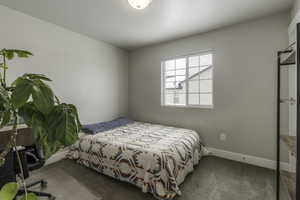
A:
213, 179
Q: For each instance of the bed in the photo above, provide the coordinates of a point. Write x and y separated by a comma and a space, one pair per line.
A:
153, 157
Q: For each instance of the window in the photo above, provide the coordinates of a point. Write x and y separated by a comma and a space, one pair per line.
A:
188, 81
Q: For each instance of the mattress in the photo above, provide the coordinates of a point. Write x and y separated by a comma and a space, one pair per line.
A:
153, 157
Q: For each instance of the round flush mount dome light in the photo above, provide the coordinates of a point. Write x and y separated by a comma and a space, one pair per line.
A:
139, 4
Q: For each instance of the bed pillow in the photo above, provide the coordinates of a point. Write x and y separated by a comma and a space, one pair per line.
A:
92, 128
105, 126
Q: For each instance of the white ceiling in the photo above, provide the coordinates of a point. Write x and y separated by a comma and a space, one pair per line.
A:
114, 21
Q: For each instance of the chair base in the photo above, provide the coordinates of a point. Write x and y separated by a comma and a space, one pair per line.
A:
43, 184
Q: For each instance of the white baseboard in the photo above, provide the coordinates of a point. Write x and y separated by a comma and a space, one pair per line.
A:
253, 160
57, 157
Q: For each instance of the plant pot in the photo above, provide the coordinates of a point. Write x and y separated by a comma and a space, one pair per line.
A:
7, 171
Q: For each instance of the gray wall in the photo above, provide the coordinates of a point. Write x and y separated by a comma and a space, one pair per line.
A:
295, 8
88, 73
244, 86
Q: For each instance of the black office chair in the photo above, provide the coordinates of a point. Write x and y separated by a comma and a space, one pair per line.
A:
32, 159
7, 171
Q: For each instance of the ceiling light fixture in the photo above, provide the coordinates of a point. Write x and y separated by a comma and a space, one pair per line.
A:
139, 4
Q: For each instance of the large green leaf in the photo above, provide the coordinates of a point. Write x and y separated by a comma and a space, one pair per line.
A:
36, 120
64, 124
29, 196
5, 107
10, 53
28, 112
21, 92
53, 126
3, 93
39, 128
32, 85
9, 191
74, 111
37, 76
22, 53
44, 137
4, 98
5, 119
43, 97
50, 148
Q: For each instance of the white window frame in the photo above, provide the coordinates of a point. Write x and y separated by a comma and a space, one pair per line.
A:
187, 105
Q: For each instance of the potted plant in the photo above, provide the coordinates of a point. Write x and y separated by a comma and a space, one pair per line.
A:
10, 190
53, 124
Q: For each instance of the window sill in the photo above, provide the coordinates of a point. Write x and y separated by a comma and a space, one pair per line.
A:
190, 106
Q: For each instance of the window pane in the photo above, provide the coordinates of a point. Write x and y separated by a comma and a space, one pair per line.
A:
170, 78
174, 85
194, 61
194, 99
180, 99
170, 85
194, 86
169, 91
180, 72
206, 99
181, 89
206, 59
180, 78
170, 65
205, 85
178, 85
207, 74
170, 73
194, 78
199, 80
181, 63
193, 71
175, 98
169, 99
203, 68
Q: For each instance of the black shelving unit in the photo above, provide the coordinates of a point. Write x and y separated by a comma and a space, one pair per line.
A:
298, 115
291, 181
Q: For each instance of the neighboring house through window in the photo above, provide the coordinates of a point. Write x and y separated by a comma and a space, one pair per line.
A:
188, 81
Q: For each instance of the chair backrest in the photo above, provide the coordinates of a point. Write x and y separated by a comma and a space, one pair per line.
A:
35, 159
31, 159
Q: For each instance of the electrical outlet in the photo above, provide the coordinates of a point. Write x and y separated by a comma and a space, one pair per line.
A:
223, 136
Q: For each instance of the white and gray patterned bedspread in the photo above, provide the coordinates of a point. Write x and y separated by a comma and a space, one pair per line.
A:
153, 157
